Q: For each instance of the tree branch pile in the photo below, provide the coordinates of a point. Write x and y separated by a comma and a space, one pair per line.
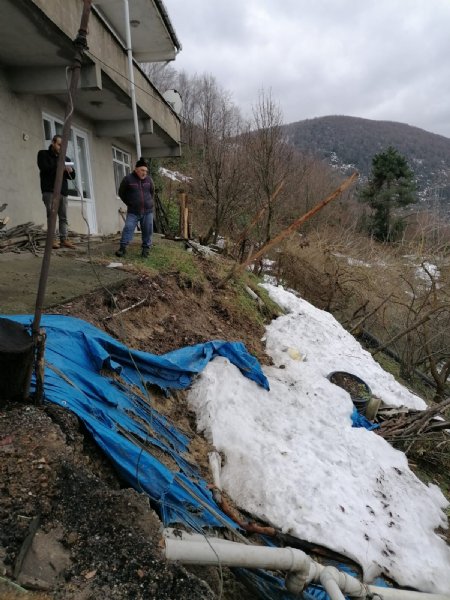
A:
427, 430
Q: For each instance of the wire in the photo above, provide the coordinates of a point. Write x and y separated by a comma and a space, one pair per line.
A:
114, 70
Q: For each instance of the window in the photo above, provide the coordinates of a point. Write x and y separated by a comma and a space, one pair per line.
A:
121, 164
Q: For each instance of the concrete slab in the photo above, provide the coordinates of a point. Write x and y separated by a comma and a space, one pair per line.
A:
71, 275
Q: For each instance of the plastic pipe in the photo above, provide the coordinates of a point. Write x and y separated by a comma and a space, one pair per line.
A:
232, 554
126, 9
196, 549
329, 579
397, 594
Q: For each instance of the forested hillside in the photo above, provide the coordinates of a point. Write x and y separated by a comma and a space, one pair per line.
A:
349, 142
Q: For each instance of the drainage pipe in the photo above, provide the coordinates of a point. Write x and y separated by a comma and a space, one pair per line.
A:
137, 137
302, 569
232, 554
329, 579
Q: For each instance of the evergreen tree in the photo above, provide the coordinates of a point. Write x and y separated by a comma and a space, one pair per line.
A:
391, 185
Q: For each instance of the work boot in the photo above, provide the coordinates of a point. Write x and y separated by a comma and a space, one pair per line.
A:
145, 252
67, 244
56, 245
121, 251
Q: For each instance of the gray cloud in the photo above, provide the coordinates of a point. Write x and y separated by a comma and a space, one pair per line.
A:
377, 59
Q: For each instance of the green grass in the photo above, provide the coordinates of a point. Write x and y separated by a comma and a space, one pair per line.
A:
171, 257
272, 309
247, 305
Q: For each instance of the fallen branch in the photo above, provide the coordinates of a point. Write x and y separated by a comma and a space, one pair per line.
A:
119, 312
288, 231
230, 511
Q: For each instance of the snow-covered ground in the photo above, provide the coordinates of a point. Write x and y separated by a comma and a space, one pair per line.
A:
293, 459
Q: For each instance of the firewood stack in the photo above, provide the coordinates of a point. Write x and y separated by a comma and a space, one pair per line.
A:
25, 237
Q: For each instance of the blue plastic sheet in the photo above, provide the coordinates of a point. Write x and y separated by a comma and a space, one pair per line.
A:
122, 422
359, 420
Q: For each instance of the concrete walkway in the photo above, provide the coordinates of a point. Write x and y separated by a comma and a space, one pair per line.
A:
71, 275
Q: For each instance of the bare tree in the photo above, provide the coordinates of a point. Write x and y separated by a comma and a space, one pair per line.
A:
163, 76
269, 154
220, 180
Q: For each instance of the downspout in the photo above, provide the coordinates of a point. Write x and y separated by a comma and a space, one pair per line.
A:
131, 78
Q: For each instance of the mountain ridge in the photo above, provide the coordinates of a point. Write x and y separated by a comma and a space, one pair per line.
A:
350, 143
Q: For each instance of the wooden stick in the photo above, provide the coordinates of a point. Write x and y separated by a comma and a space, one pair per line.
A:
39, 368
125, 309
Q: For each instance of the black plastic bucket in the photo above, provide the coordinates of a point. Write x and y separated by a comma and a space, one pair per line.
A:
359, 391
16, 357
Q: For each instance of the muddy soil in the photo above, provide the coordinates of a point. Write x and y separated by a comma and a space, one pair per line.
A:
69, 528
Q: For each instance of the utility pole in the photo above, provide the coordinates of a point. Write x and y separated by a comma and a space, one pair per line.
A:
80, 44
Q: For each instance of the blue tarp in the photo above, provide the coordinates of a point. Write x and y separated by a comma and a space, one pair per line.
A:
115, 410
359, 420
104, 383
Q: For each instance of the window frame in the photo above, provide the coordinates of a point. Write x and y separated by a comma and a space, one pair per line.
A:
123, 164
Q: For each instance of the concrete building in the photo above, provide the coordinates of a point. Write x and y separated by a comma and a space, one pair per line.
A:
36, 49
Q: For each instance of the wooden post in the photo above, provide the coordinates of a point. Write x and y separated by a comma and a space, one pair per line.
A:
186, 221
40, 366
182, 207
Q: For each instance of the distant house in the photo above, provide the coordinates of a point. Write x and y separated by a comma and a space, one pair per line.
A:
35, 50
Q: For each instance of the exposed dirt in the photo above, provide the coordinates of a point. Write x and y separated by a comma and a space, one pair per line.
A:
68, 526
175, 313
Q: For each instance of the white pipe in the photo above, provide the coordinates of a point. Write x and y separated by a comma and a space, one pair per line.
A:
397, 594
210, 552
196, 549
131, 78
329, 581
174, 533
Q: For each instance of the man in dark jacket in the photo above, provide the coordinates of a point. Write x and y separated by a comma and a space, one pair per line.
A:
136, 191
47, 161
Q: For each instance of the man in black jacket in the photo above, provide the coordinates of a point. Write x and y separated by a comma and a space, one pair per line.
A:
47, 161
136, 191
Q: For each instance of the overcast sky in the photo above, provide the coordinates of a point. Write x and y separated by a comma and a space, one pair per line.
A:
377, 59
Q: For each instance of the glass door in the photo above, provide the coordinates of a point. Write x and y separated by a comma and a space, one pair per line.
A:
84, 180
80, 189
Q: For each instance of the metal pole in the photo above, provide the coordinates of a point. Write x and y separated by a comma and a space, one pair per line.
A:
80, 46
131, 78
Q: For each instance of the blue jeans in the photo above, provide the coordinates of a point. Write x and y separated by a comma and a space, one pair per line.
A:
146, 222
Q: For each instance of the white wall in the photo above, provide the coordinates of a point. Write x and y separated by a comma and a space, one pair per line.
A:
22, 137
19, 176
